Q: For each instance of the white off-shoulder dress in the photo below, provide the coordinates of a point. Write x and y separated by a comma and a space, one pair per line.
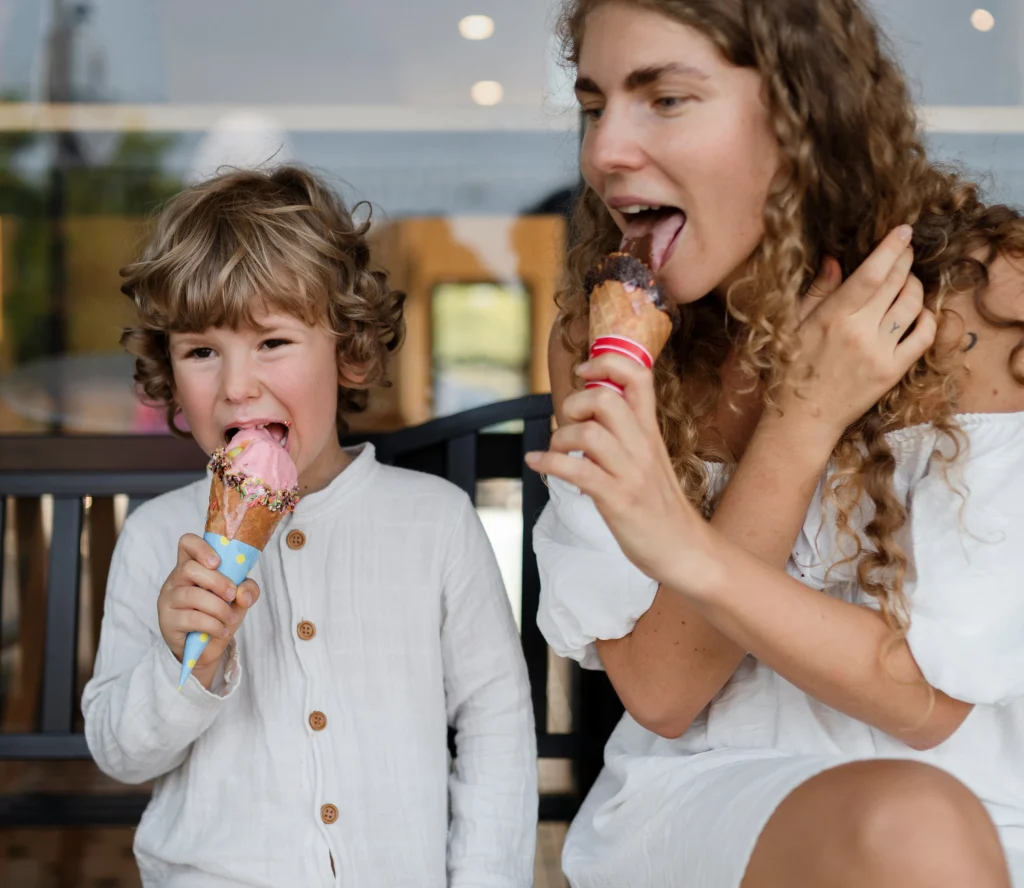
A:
688, 812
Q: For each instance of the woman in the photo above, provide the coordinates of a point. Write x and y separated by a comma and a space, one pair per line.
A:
824, 682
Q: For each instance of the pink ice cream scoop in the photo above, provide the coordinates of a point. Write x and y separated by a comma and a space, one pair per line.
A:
256, 454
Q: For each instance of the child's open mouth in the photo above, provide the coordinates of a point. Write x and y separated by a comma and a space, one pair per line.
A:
277, 430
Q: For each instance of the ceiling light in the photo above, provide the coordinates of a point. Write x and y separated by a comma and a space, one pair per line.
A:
983, 20
477, 27
487, 92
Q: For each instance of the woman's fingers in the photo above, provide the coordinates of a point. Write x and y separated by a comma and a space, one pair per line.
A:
637, 384
904, 311
874, 273
891, 288
582, 473
596, 442
920, 339
828, 280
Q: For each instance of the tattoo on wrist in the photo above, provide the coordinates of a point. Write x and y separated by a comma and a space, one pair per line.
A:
895, 327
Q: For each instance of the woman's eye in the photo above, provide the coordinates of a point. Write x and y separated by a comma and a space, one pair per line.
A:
592, 114
669, 103
200, 353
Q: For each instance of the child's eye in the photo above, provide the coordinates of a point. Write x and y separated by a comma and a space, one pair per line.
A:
200, 353
275, 343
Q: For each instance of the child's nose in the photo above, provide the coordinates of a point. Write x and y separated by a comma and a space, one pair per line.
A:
240, 381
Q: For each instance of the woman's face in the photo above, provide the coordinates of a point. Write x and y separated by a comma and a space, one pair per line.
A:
672, 125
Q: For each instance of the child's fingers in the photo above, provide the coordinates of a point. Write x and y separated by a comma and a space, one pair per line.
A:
186, 621
195, 548
248, 594
214, 581
194, 598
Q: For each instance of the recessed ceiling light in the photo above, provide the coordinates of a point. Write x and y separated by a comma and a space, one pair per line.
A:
477, 27
487, 92
983, 20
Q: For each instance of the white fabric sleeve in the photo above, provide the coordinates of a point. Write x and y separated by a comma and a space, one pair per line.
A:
966, 588
589, 588
493, 784
138, 725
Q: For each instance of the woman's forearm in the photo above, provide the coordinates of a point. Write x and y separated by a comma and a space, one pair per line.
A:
832, 650
674, 661
766, 502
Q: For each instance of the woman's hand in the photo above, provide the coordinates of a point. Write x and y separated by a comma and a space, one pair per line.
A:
627, 470
854, 340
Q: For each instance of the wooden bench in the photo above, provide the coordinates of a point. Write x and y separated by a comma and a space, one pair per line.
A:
463, 448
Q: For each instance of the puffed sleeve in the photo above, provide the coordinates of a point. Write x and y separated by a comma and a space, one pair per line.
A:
589, 589
966, 583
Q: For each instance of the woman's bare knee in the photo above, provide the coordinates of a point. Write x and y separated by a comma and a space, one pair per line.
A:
883, 823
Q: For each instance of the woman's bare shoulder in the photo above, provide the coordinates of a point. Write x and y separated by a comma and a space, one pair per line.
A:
991, 384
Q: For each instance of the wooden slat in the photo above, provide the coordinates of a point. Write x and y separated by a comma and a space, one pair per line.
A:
62, 615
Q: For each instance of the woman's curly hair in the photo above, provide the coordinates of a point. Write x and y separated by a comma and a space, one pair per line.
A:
226, 251
853, 167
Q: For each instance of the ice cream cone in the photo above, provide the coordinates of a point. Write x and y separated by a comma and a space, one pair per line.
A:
627, 313
240, 520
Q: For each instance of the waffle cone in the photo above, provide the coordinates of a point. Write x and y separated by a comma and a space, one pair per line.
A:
258, 522
615, 311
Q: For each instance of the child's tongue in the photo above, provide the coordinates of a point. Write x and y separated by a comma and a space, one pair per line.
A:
653, 234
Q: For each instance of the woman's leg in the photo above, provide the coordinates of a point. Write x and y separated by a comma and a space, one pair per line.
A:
883, 824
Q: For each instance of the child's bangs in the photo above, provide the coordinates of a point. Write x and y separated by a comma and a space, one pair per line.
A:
241, 292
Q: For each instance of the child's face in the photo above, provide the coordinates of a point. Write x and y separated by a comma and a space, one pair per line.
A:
283, 374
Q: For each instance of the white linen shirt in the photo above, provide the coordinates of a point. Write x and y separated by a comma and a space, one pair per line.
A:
405, 629
964, 540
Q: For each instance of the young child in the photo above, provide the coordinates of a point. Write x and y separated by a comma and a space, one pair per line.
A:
309, 746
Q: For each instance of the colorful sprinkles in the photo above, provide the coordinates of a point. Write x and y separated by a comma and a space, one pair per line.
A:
254, 491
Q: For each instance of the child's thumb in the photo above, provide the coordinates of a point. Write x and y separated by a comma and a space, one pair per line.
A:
248, 594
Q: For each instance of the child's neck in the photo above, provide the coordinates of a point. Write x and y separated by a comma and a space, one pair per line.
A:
331, 462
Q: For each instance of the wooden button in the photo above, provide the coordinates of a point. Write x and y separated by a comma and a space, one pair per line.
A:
305, 630
296, 539
328, 814
317, 721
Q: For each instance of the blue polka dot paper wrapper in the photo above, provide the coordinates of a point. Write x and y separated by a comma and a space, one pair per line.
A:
236, 560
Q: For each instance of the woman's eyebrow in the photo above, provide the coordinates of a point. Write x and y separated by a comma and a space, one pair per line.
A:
642, 77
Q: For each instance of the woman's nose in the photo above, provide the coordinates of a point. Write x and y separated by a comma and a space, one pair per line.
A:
613, 144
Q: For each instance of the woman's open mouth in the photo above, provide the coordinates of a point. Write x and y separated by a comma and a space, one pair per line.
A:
664, 224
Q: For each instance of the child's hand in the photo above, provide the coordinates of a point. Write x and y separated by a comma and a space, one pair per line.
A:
196, 598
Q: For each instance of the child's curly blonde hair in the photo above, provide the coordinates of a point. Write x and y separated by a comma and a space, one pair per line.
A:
230, 249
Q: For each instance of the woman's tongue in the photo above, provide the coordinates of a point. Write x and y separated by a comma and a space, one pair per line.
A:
662, 229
